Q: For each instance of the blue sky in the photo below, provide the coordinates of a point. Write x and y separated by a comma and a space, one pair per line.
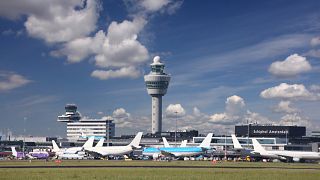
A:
230, 61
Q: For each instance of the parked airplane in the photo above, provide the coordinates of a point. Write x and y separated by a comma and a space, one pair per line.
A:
116, 150
30, 155
72, 150
77, 155
244, 152
179, 151
295, 156
166, 144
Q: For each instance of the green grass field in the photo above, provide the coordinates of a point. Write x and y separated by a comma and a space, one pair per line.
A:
270, 171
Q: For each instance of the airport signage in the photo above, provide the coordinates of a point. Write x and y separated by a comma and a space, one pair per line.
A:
270, 132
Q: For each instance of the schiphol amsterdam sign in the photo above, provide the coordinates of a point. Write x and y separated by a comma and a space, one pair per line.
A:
270, 132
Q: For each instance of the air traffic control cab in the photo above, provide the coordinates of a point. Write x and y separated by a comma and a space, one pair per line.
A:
70, 115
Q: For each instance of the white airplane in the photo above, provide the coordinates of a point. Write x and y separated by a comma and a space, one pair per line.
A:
77, 155
73, 152
244, 152
116, 150
295, 156
236, 144
166, 144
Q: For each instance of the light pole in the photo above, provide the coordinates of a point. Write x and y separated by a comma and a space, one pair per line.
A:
225, 144
286, 137
175, 134
248, 135
248, 132
24, 134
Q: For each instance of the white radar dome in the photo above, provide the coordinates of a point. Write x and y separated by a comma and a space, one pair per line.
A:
156, 59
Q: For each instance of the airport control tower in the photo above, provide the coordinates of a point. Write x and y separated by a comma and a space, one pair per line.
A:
157, 84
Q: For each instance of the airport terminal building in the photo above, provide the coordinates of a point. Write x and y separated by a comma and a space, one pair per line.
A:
80, 128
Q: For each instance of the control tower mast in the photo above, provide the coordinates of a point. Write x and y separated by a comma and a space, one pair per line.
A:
157, 83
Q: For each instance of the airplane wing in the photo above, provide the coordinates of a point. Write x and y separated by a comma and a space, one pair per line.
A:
94, 153
284, 157
166, 153
135, 147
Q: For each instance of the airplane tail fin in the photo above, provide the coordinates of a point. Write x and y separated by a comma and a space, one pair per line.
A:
100, 143
236, 143
89, 142
165, 142
206, 142
14, 152
184, 143
55, 146
136, 141
257, 146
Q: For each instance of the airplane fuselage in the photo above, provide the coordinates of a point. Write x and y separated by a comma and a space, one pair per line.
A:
175, 151
71, 156
39, 155
111, 150
291, 154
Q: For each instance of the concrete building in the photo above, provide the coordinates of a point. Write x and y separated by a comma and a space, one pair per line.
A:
81, 128
157, 82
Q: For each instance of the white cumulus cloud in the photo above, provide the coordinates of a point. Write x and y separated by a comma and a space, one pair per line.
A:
175, 110
295, 119
80, 48
117, 48
291, 66
147, 7
121, 47
153, 5
125, 72
10, 80
254, 117
234, 105
233, 113
121, 117
289, 91
223, 118
285, 107
71, 27
54, 21
120, 113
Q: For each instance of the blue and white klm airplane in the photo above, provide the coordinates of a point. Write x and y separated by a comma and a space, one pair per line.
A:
179, 151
